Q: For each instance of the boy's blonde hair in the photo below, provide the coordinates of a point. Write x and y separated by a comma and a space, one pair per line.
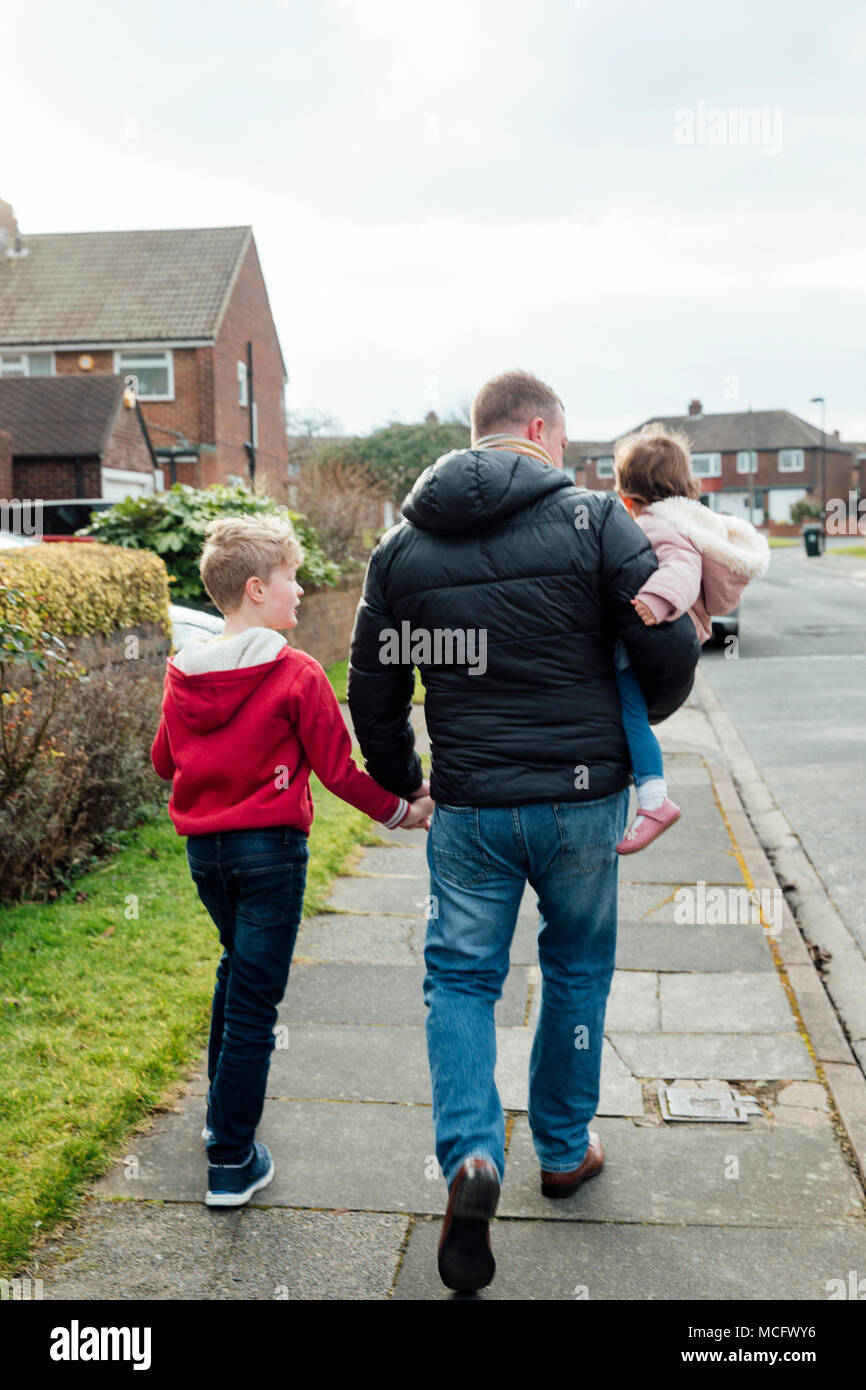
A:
240, 547
653, 463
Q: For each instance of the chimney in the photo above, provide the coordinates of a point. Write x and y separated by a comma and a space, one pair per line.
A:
836, 434
695, 408
8, 225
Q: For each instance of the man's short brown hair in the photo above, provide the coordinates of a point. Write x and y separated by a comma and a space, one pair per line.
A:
653, 463
510, 401
240, 547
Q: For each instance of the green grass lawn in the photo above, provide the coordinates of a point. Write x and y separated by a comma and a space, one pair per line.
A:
337, 676
102, 1012
782, 542
858, 550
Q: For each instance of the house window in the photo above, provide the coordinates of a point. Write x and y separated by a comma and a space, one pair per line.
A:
747, 461
27, 364
707, 465
604, 468
242, 384
791, 461
153, 372
40, 363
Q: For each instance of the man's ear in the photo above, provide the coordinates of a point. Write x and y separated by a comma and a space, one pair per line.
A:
536, 429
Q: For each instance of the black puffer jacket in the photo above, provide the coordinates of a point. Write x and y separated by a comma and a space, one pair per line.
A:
500, 552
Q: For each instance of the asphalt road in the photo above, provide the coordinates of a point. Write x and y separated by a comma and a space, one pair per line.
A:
797, 693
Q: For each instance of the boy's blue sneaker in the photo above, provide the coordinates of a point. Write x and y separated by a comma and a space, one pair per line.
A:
232, 1184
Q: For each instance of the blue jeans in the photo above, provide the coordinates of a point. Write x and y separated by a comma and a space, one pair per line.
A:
644, 749
252, 884
480, 858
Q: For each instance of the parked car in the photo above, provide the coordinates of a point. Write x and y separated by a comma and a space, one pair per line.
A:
10, 540
192, 622
727, 626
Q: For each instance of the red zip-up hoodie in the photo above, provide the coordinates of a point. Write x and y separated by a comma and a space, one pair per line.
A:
239, 740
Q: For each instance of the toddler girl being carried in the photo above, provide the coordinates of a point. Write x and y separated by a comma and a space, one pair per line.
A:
705, 558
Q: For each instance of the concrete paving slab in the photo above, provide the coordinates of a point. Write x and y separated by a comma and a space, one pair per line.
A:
664, 860
724, 1003
405, 896
365, 940
347, 1062
408, 859
386, 994
134, 1250
652, 904
696, 1174
326, 1155
633, 1002
301, 1255
676, 948
619, 1092
541, 1260
730, 1056
143, 1250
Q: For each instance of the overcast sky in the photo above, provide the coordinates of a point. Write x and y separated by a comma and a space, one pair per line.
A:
442, 191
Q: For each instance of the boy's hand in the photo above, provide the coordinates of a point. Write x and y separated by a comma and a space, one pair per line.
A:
645, 614
418, 815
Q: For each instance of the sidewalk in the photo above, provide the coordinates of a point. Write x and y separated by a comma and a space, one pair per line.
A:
773, 1208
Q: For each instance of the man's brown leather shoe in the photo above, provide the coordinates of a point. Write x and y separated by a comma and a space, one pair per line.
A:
466, 1261
565, 1184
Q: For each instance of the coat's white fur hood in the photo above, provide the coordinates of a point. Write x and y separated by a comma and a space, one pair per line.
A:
731, 541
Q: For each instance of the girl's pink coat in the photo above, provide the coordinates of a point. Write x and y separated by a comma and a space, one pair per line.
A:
705, 558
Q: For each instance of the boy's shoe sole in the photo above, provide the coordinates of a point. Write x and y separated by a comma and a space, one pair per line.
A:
238, 1199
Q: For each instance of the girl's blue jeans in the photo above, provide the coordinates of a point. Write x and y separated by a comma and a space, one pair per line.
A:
643, 746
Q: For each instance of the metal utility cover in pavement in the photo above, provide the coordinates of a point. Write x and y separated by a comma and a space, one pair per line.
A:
691, 1103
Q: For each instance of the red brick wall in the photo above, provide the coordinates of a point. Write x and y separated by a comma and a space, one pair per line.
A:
6, 492
191, 412
50, 479
248, 318
127, 446
326, 618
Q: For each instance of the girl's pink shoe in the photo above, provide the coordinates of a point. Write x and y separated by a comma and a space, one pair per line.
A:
652, 825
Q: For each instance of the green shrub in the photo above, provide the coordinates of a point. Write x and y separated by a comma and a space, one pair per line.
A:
173, 524
806, 510
72, 589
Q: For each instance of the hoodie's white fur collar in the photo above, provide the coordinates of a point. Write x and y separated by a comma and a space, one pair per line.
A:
249, 648
731, 541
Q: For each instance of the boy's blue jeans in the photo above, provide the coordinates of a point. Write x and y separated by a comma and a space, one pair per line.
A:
480, 858
252, 884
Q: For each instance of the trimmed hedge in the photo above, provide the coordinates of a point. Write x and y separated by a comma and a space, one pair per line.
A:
76, 589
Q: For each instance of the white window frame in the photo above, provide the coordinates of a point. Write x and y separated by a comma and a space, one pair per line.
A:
707, 465
128, 368
604, 466
24, 359
744, 461
243, 393
791, 461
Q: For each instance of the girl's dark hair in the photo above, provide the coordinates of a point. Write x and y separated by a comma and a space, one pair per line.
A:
654, 463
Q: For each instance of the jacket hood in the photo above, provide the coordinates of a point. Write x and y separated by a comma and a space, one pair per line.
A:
210, 681
473, 488
729, 540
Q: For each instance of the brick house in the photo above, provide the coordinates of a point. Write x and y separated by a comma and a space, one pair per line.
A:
67, 437
754, 460
185, 312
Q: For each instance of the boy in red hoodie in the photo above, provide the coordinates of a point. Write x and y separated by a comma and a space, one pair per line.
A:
245, 718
